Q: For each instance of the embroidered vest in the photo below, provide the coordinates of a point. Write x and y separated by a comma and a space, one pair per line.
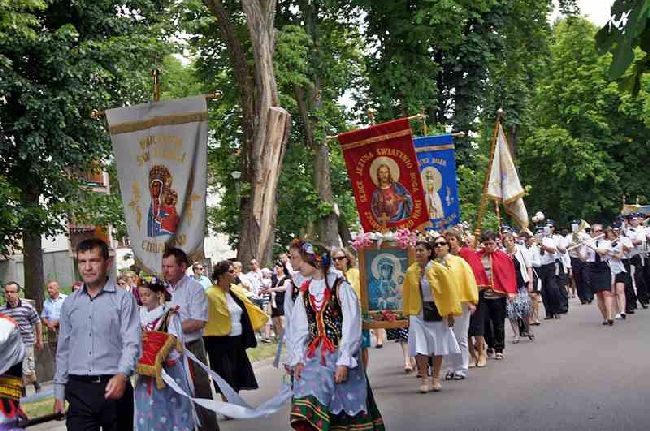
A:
328, 322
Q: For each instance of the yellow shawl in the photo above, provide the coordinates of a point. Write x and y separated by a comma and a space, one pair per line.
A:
218, 316
443, 288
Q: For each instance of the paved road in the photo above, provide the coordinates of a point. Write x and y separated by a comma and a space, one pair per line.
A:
577, 374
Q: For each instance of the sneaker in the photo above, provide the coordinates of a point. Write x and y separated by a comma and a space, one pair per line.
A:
618, 316
623, 316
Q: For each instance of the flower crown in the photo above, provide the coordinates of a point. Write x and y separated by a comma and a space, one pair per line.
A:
314, 258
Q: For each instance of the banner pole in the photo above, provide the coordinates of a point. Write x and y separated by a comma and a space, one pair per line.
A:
483, 205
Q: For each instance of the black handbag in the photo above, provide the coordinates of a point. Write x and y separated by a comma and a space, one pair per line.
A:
430, 312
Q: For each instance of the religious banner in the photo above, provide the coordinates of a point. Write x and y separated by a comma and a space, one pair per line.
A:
161, 155
503, 184
383, 170
437, 159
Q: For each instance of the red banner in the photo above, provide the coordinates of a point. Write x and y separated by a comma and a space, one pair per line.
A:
383, 170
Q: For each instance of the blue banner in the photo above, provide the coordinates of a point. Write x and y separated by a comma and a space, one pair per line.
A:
436, 156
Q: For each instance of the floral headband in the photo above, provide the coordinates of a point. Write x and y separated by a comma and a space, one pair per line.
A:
315, 259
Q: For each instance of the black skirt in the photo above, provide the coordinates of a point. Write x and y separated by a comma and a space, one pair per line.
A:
600, 277
228, 358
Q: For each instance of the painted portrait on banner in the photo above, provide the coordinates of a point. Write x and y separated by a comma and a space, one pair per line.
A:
436, 157
383, 170
162, 217
390, 199
385, 270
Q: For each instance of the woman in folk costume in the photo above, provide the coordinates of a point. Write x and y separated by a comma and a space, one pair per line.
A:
344, 262
458, 364
230, 330
12, 352
431, 301
500, 285
157, 406
331, 391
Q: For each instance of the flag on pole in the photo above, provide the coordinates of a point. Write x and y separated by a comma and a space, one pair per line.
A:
504, 185
161, 155
383, 170
437, 159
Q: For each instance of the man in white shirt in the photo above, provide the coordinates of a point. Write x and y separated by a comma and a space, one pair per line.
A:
548, 274
561, 269
578, 267
639, 257
189, 296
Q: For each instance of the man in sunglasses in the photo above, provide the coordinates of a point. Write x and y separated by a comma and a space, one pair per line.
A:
199, 275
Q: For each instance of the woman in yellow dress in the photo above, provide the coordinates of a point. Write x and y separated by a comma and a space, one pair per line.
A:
431, 301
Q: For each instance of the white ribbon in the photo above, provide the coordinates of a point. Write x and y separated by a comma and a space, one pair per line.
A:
231, 410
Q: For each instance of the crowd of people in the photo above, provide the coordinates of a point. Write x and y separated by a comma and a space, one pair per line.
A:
185, 331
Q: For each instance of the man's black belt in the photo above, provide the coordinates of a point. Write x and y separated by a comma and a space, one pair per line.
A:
100, 378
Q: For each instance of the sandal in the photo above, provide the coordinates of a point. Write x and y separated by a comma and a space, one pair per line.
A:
436, 386
531, 337
459, 377
408, 369
450, 375
498, 356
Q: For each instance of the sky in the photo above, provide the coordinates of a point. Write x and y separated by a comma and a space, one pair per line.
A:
596, 11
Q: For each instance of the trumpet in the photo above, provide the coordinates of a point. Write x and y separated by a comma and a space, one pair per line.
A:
585, 241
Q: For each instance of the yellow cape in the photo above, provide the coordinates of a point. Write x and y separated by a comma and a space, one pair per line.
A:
443, 287
218, 316
464, 279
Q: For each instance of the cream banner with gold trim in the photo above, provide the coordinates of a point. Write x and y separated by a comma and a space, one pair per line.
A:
161, 155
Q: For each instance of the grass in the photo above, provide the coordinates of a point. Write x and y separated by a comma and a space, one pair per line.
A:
44, 406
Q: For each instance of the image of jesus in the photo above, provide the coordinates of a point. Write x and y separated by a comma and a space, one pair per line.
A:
391, 201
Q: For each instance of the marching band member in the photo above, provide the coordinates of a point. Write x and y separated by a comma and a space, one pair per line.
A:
595, 251
532, 251
547, 273
638, 258
618, 250
578, 267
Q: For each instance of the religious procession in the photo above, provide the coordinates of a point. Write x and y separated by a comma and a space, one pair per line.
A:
321, 218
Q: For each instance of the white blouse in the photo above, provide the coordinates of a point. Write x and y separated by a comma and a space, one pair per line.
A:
350, 341
235, 313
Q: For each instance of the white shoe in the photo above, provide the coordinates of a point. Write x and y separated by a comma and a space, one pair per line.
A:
618, 316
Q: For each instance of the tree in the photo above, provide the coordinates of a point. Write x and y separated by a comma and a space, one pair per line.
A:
586, 140
265, 125
83, 56
627, 30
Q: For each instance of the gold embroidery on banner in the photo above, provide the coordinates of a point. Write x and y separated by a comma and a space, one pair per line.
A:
162, 120
164, 147
435, 148
135, 203
386, 137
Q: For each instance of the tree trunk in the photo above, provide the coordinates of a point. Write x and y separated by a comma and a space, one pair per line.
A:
33, 253
328, 229
265, 125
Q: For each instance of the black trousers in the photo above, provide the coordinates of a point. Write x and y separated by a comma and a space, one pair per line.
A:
562, 282
90, 411
630, 295
641, 272
550, 289
496, 313
578, 268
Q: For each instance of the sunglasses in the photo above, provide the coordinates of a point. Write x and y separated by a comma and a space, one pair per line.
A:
439, 244
339, 258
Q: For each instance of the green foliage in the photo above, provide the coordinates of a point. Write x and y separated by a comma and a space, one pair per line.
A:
85, 55
628, 29
586, 141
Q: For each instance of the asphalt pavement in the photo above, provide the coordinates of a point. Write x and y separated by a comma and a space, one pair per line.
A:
577, 374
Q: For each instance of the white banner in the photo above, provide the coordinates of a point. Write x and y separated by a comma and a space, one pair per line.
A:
161, 154
504, 184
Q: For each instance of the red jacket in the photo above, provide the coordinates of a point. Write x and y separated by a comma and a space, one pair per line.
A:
504, 279
474, 261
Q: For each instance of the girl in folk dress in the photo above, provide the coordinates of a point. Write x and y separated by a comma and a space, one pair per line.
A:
330, 387
157, 406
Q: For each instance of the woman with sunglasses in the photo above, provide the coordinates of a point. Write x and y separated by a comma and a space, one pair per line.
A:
344, 262
431, 301
330, 387
458, 364
230, 330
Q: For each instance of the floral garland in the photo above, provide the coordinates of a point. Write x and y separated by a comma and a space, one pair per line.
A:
404, 238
